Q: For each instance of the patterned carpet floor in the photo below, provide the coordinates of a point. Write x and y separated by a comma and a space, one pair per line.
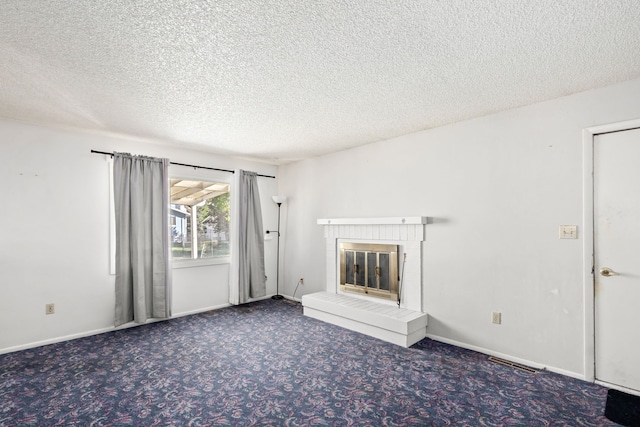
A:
265, 364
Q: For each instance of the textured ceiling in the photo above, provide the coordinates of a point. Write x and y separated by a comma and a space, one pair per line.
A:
285, 80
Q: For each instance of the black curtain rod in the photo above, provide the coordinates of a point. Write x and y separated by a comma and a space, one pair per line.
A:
191, 166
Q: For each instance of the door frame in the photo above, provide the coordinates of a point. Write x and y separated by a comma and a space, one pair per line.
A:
588, 246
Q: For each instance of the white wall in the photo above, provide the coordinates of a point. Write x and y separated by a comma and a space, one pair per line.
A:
496, 188
55, 233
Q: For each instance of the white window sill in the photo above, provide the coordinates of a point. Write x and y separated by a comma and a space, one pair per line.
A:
190, 263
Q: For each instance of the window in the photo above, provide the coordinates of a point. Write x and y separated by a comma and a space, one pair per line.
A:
199, 219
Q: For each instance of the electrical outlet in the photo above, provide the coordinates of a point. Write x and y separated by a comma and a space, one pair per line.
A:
568, 231
50, 308
302, 281
496, 317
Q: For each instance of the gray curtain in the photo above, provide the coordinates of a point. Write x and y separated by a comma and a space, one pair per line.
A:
251, 274
143, 280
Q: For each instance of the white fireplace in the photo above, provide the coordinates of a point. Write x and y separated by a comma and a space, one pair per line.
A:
406, 232
355, 308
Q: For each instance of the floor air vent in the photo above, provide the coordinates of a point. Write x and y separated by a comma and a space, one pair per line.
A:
513, 365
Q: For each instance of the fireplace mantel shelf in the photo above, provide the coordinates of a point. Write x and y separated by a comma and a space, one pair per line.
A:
399, 220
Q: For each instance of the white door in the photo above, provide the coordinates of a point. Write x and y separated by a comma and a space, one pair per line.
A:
617, 257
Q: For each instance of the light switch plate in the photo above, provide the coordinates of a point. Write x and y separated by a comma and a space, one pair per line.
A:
568, 231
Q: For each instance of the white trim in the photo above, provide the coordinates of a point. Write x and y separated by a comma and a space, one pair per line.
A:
199, 310
55, 340
614, 127
587, 254
234, 272
374, 221
257, 299
618, 387
200, 262
105, 330
508, 357
588, 243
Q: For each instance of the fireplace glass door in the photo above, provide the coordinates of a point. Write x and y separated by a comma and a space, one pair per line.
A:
370, 269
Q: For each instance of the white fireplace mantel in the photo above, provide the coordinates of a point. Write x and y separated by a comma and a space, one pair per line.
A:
374, 221
403, 325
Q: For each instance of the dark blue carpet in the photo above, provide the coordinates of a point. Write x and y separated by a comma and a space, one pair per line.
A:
265, 364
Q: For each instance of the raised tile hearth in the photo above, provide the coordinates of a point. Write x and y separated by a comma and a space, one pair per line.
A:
392, 324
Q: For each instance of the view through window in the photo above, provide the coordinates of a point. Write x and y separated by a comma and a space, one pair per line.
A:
199, 219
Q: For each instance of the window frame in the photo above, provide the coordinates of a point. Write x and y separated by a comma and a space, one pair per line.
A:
193, 174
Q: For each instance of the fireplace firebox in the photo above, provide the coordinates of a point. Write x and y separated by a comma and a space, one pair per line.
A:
369, 269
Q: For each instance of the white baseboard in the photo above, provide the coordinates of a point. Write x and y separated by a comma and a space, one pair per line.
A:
618, 387
508, 357
200, 310
103, 330
55, 340
269, 296
259, 298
